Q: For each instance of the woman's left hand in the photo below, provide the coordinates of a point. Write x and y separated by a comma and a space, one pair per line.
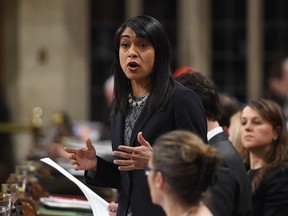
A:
112, 208
134, 158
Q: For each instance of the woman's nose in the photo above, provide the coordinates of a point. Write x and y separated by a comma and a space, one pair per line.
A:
132, 52
247, 126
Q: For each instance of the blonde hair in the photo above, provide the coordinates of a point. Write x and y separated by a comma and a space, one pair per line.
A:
234, 131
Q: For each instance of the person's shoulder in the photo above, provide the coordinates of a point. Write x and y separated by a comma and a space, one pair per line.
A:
275, 182
280, 171
276, 176
180, 88
226, 149
182, 93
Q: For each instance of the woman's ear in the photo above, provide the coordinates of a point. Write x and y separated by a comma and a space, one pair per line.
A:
159, 180
276, 132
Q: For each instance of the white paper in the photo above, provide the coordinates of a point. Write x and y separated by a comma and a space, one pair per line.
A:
98, 204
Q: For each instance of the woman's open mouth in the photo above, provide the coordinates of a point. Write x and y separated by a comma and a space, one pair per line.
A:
132, 66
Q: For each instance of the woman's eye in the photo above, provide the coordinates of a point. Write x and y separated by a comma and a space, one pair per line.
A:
143, 45
257, 122
124, 45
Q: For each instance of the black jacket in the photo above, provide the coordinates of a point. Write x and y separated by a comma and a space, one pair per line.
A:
231, 194
184, 111
271, 197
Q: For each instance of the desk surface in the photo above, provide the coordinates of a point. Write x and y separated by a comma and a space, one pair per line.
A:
49, 212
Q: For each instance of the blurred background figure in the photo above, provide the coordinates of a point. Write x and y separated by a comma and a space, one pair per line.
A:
183, 70
179, 173
277, 83
264, 139
229, 106
109, 90
61, 128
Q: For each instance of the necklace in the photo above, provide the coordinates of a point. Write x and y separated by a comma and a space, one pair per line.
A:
138, 101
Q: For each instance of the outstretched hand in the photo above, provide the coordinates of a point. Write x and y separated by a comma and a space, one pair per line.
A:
134, 158
83, 158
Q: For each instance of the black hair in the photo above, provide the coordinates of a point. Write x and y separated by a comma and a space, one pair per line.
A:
207, 92
161, 82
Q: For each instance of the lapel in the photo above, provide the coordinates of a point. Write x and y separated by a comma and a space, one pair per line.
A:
118, 130
139, 124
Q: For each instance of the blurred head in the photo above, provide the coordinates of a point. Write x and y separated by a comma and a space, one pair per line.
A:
145, 31
109, 90
206, 90
182, 167
277, 81
285, 74
229, 106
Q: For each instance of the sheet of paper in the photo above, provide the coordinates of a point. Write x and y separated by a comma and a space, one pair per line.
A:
98, 204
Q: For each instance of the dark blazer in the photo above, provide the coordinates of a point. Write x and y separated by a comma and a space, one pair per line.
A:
231, 194
271, 197
183, 111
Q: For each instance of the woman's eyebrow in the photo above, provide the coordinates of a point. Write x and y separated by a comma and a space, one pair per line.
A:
125, 36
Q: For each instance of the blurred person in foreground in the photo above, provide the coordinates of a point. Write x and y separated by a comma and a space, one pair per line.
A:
264, 139
179, 173
147, 103
231, 194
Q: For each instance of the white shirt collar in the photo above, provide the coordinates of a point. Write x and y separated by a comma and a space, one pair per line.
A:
214, 132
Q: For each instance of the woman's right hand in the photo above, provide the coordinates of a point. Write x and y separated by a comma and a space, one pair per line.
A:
83, 158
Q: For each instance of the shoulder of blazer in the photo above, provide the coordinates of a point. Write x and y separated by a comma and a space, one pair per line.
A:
181, 93
280, 171
225, 148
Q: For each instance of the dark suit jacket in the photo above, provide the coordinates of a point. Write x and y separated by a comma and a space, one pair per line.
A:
271, 197
184, 111
231, 194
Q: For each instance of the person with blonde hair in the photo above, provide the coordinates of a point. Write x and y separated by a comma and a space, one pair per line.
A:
179, 173
234, 131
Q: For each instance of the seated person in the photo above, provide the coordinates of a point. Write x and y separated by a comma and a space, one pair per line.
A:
179, 173
263, 135
231, 194
61, 128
